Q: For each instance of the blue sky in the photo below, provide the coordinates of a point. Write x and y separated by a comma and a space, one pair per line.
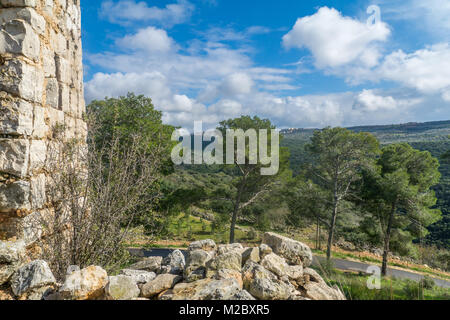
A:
299, 63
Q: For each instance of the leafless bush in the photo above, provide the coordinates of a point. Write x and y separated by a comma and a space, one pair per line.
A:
97, 191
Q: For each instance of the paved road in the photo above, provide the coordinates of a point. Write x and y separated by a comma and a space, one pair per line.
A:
362, 267
340, 264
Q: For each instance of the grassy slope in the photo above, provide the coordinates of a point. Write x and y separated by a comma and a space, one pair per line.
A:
354, 286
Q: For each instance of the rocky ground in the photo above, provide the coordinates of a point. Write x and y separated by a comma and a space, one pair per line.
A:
276, 270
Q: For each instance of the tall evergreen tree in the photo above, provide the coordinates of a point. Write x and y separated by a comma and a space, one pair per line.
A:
398, 194
339, 156
250, 183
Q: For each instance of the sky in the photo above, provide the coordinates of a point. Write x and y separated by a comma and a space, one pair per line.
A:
307, 64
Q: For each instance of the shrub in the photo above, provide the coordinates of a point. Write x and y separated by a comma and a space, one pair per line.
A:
427, 283
413, 290
252, 234
99, 188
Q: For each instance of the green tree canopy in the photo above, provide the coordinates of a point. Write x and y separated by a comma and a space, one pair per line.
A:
133, 120
250, 184
398, 194
338, 158
127, 117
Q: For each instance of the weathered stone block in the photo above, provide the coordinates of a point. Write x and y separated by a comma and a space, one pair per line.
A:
48, 57
64, 98
62, 69
18, 3
31, 228
48, 7
15, 196
36, 274
38, 155
52, 93
59, 43
11, 256
40, 128
56, 117
121, 288
18, 37
70, 126
14, 155
16, 116
38, 198
86, 284
22, 79
293, 251
29, 15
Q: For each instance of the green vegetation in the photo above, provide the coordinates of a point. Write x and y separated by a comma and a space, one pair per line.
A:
440, 231
397, 195
338, 157
430, 136
354, 286
335, 179
107, 185
251, 183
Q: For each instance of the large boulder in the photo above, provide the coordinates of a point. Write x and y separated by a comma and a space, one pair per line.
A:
122, 287
33, 280
252, 271
223, 274
250, 254
139, 276
316, 288
264, 250
12, 255
206, 289
266, 289
196, 264
311, 275
206, 245
159, 284
321, 291
231, 260
174, 263
295, 273
233, 247
295, 252
275, 264
85, 284
151, 264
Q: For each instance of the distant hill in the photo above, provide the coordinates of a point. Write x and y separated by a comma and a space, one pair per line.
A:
408, 132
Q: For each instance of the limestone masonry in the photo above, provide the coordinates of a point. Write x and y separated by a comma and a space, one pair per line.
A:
41, 86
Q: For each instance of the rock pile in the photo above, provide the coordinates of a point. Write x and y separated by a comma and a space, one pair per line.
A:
276, 270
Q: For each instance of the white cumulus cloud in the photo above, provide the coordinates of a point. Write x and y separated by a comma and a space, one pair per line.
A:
126, 11
237, 83
149, 39
335, 40
427, 70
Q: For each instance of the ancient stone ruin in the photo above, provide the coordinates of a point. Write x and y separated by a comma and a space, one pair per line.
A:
41, 88
278, 269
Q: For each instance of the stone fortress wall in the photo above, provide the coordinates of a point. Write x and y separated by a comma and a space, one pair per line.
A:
41, 87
